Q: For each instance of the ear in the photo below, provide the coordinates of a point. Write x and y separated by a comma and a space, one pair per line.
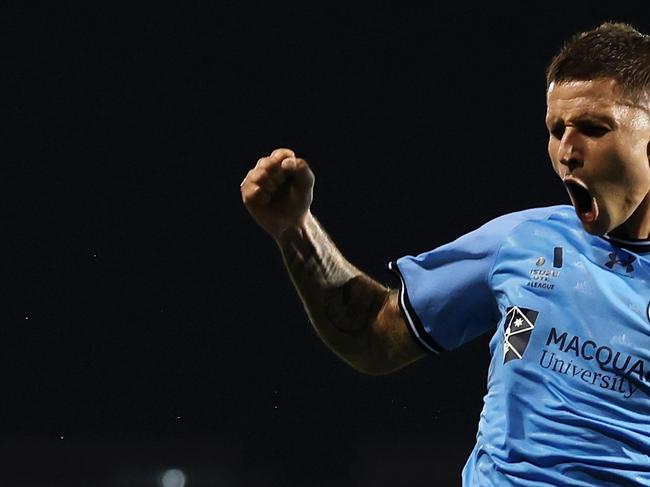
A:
646, 109
647, 148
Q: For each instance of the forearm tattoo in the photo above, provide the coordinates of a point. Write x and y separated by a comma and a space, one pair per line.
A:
334, 292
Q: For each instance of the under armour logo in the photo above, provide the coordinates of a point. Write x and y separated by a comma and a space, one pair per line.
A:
622, 259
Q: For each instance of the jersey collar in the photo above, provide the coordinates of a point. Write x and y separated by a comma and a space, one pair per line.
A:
640, 246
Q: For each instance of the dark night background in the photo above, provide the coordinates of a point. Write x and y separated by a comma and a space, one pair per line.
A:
148, 324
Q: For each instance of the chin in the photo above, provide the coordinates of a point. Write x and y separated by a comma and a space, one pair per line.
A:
599, 227
589, 228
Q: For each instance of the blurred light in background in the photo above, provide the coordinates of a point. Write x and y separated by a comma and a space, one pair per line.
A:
173, 478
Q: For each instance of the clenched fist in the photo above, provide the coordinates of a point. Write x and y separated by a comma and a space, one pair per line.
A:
278, 191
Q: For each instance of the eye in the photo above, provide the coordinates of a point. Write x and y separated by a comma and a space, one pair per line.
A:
593, 130
557, 131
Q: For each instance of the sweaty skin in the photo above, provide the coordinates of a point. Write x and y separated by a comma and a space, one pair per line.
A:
597, 138
355, 316
601, 140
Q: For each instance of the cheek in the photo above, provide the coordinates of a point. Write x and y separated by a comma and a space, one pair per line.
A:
642, 176
636, 161
630, 175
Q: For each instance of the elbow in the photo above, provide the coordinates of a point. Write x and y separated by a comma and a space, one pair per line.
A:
372, 368
376, 372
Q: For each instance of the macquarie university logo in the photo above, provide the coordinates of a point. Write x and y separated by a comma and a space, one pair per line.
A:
518, 326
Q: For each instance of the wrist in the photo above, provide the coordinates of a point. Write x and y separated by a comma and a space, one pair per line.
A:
297, 230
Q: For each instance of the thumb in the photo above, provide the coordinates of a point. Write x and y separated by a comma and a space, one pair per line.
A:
298, 170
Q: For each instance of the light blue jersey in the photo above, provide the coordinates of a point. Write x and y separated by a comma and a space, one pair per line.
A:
568, 388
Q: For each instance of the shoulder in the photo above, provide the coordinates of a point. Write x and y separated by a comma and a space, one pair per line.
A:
484, 243
563, 215
494, 232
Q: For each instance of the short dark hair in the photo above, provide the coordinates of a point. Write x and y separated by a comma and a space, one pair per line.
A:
614, 50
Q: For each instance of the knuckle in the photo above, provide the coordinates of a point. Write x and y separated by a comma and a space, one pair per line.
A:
270, 164
301, 163
251, 191
258, 193
256, 174
282, 150
260, 196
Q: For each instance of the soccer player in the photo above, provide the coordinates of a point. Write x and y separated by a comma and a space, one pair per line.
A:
565, 290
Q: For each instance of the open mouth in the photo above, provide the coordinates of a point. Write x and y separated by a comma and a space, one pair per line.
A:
583, 201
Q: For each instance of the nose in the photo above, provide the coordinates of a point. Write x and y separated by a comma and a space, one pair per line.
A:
570, 150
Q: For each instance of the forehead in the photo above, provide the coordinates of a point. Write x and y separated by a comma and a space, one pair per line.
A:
600, 98
589, 97
595, 99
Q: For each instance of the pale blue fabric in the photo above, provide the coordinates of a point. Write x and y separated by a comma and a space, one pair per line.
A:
574, 410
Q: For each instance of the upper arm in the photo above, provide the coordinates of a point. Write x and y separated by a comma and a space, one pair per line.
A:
392, 345
446, 293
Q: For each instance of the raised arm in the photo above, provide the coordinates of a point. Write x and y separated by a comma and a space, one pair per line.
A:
354, 315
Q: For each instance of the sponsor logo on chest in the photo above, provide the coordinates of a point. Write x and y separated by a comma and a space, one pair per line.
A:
597, 365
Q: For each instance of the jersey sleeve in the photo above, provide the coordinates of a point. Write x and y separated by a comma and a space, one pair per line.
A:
446, 296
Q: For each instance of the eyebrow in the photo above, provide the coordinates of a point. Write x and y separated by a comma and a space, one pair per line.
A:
587, 117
